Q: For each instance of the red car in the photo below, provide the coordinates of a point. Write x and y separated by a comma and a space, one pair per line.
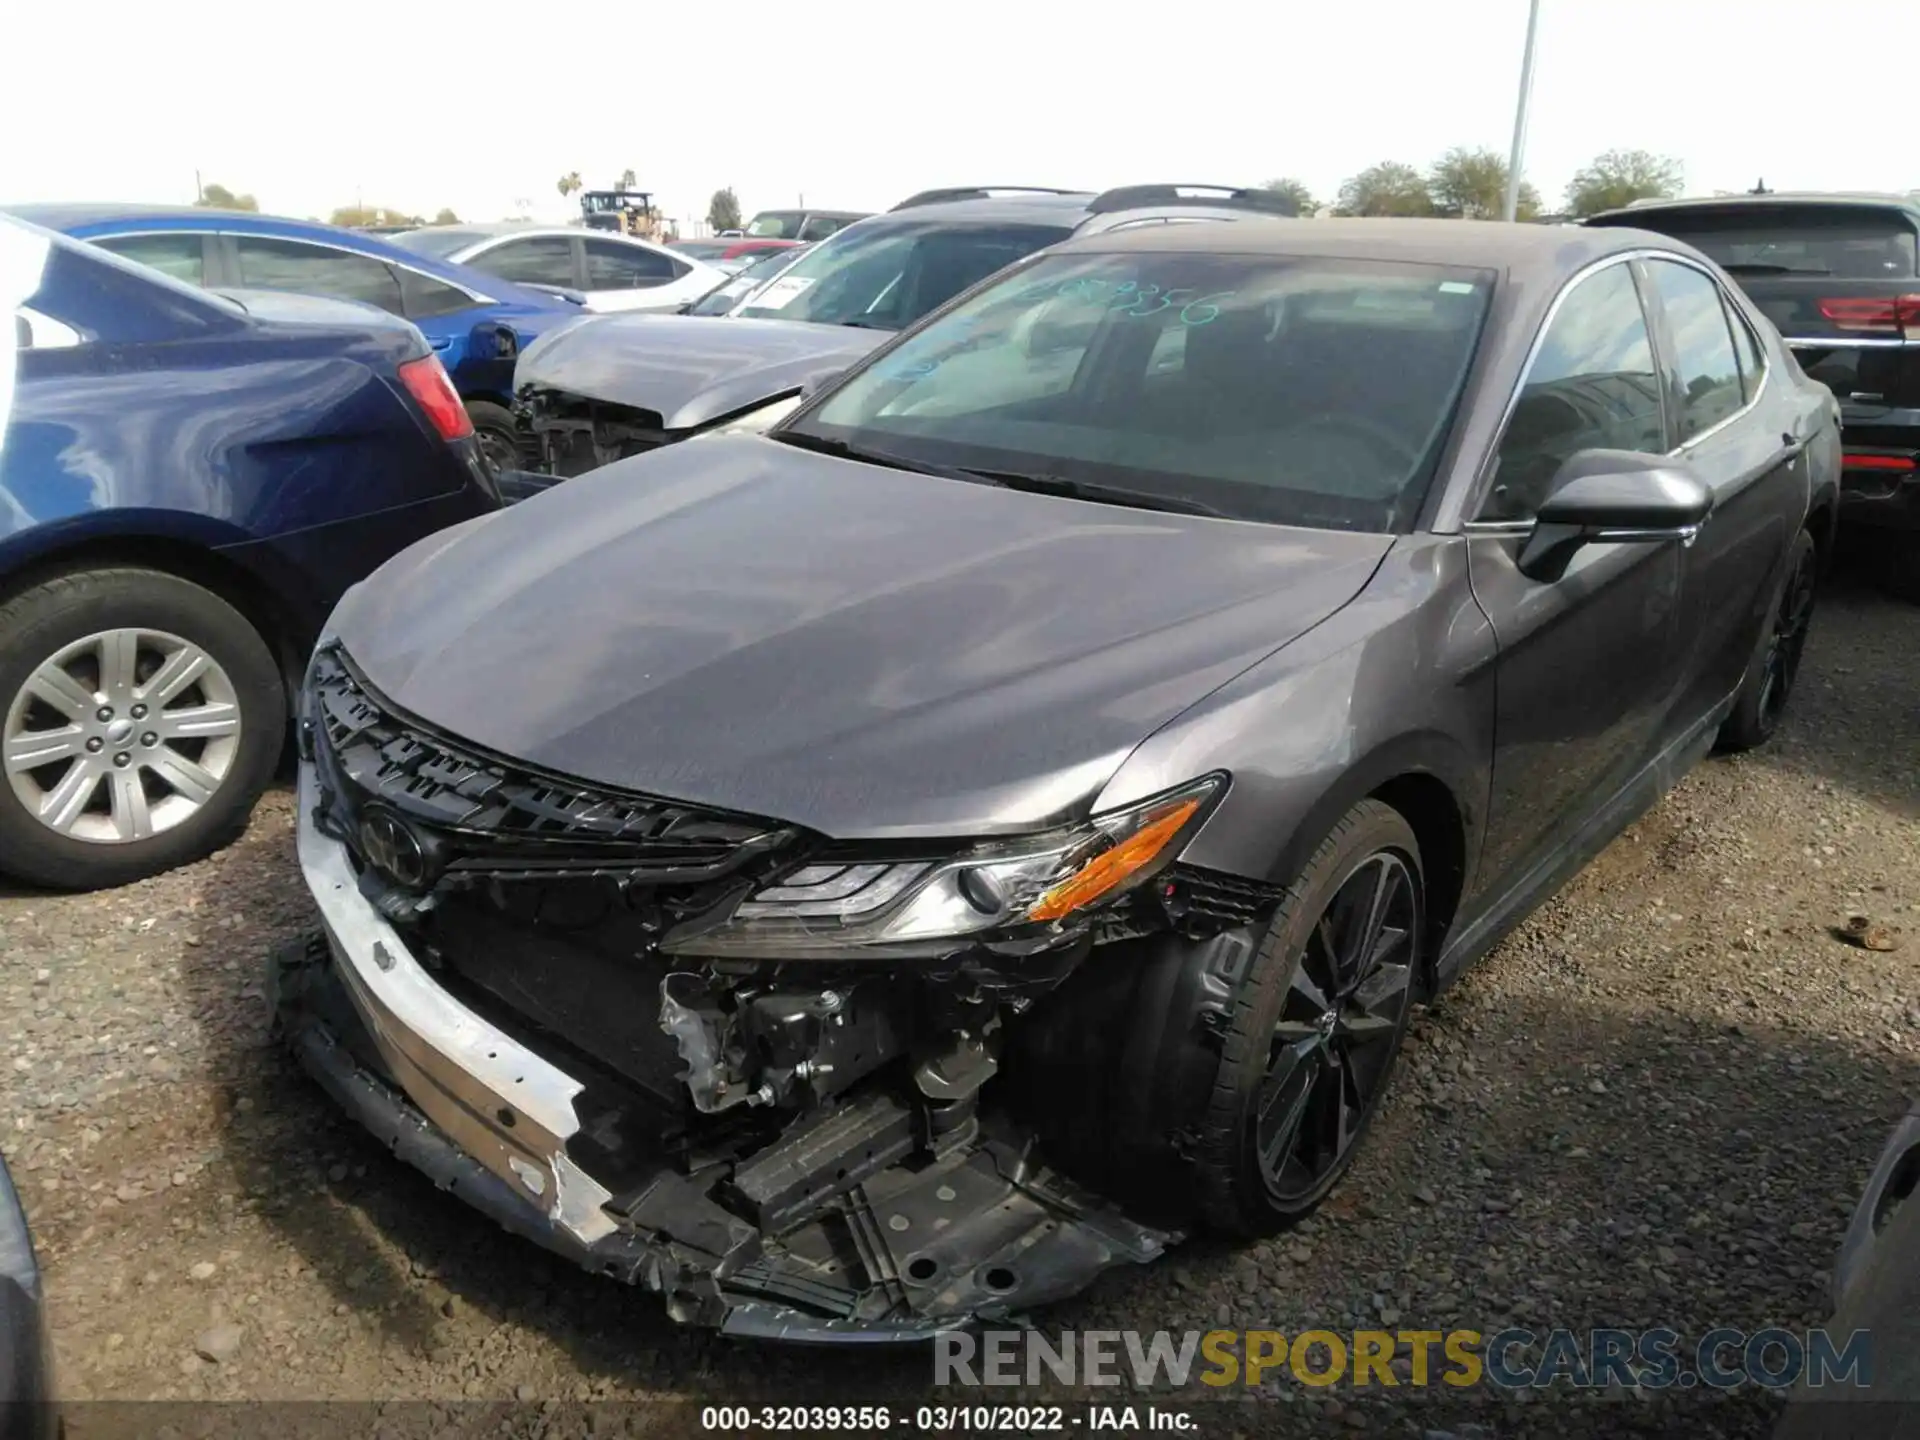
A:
726, 249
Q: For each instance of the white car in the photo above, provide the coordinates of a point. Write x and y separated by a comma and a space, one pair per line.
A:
613, 271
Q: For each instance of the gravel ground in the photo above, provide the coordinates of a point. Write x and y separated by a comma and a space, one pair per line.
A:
1654, 1105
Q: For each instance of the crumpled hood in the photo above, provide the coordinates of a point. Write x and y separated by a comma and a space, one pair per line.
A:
688, 369
865, 651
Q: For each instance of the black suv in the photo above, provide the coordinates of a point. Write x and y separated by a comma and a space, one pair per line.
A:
1839, 274
609, 386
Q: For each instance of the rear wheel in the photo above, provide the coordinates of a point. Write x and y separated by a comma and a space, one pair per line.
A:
497, 433
1315, 1028
1768, 686
140, 718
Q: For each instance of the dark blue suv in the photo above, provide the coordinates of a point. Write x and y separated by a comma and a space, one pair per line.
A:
188, 483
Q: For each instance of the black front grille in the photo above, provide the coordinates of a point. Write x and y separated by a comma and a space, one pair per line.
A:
480, 811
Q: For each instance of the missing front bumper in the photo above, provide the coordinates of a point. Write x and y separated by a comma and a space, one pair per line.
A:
905, 1247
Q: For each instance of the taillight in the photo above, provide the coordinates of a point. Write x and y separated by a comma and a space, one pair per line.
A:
1897, 463
1897, 316
427, 381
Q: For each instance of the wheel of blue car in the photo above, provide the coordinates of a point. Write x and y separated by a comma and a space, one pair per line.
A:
140, 718
498, 434
1315, 1028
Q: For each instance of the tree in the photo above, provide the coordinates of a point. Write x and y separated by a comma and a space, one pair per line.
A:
218, 197
569, 183
627, 180
1472, 185
1296, 191
1620, 177
723, 210
446, 216
1388, 188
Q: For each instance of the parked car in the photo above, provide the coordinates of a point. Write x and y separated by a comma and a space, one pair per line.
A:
188, 482
26, 1359
804, 225
1876, 1292
614, 387
1840, 276
614, 272
732, 254
1001, 816
722, 298
476, 323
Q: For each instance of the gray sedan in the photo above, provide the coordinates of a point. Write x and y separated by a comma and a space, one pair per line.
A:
888, 869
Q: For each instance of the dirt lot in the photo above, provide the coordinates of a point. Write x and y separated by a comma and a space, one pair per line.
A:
1654, 1106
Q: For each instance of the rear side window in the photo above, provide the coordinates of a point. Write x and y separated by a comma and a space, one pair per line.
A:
1752, 354
1851, 242
179, 254
538, 260
818, 227
613, 266
427, 298
267, 263
1703, 360
1592, 386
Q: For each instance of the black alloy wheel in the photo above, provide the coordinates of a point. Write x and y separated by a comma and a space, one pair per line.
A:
1339, 1027
1767, 688
1791, 620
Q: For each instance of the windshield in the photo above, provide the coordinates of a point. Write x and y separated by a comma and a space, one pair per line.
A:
1852, 243
1298, 391
887, 275
440, 241
777, 224
727, 294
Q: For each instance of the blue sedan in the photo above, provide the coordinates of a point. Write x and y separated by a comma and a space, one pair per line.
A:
476, 323
188, 484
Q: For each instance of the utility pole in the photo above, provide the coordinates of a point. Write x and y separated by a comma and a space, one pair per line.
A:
199, 190
1512, 206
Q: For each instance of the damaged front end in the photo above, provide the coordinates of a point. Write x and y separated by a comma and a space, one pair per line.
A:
572, 434
719, 1056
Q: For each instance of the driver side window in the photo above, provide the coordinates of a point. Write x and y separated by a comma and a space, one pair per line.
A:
1592, 385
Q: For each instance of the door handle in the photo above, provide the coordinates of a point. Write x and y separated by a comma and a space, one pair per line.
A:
441, 343
1791, 447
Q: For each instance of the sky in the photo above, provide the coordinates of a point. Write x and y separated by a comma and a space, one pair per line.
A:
853, 104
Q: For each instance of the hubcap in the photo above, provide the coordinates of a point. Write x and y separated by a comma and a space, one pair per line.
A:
1335, 1037
500, 449
1789, 638
120, 736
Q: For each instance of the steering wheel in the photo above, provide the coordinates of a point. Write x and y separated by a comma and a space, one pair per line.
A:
1370, 432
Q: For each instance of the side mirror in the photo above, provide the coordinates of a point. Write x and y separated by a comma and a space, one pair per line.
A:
1603, 497
818, 381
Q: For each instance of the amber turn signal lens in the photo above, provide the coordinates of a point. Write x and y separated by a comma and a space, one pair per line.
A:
1110, 868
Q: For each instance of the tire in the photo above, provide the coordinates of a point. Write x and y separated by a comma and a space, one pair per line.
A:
200, 742
1260, 1072
1768, 684
498, 433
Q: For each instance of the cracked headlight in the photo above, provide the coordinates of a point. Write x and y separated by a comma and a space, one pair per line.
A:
1035, 887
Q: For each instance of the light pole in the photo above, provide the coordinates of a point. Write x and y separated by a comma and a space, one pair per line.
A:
1512, 205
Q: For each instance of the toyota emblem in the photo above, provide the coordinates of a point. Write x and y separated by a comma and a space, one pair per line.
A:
391, 848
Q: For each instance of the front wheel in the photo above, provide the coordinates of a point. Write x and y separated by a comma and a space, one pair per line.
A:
1315, 1028
140, 718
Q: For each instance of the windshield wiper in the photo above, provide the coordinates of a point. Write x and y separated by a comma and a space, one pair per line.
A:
857, 323
1758, 268
1104, 494
841, 450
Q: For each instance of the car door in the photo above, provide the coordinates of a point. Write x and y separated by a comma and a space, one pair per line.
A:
183, 254
269, 262
1743, 438
625, 276
550, 260
1586, 661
